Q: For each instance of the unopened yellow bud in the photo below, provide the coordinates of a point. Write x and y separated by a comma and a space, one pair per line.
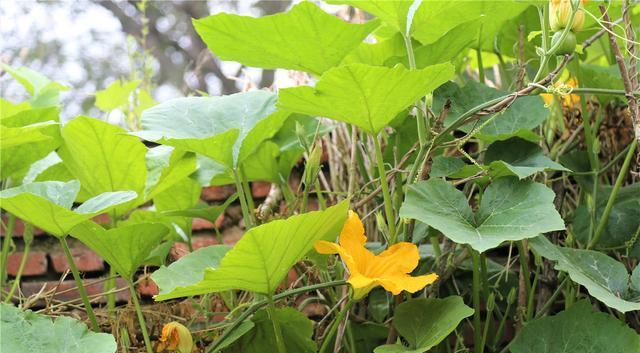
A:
560, 12
175, 338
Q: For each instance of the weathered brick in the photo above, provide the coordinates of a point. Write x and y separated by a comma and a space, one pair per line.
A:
86, 260
178, 250
200, 224
201, 241
36, 264
231, 235
67, 290
260, 189
147, 287
217, 193
18, 229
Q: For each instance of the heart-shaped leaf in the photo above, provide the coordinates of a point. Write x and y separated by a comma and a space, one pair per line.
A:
367, 96
304, 38
576, 330
510, 209
190, 269
26, 331
104, 157
262, 258
124, 248
518, 157
605, 278
226, 129
426, 322
523, 115
47, 205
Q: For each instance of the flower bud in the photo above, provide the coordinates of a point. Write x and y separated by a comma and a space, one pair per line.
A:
175, 338
560, 12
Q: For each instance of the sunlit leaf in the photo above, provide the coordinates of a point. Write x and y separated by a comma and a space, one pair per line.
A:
260, 261
226, 129
43, 91
47, 205
116, 95
305, 38
104, 157
124, 248
367, 96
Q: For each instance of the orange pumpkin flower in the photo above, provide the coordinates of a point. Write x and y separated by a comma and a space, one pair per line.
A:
559, 13
390, 269
175, 338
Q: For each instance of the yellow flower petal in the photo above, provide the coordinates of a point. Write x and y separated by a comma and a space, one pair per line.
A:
401, 257
397, 284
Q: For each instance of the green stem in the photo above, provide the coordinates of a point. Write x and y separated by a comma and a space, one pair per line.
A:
258, 305
143, 325
271, 311
247, 189
326, 340
612, 198
602, 91
6, 247
81, 289
552, 299
243, 199
388, 207
110, 284
28, 238
477, 330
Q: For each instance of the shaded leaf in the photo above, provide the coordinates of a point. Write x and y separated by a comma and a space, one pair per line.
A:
28, 332
576, 330
518, 157
510, 209
518, 120
605, 278
190, 269
426, 322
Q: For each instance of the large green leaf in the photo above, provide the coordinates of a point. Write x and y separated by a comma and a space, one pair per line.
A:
437, 17
116, 95
124, 248
447, 48
518, 120
296, 329
43, 91
367, 96
26, 137
426, 322
262, 258
518, 157
510, 209
605, 278
47, 205
28, 332
190, 269
305, 38
624, 217
227, 129
167, 167
576, 330
394, 13
104, 157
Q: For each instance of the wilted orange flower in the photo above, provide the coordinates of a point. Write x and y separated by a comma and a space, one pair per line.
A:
560, 11
175, 338
390, 269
